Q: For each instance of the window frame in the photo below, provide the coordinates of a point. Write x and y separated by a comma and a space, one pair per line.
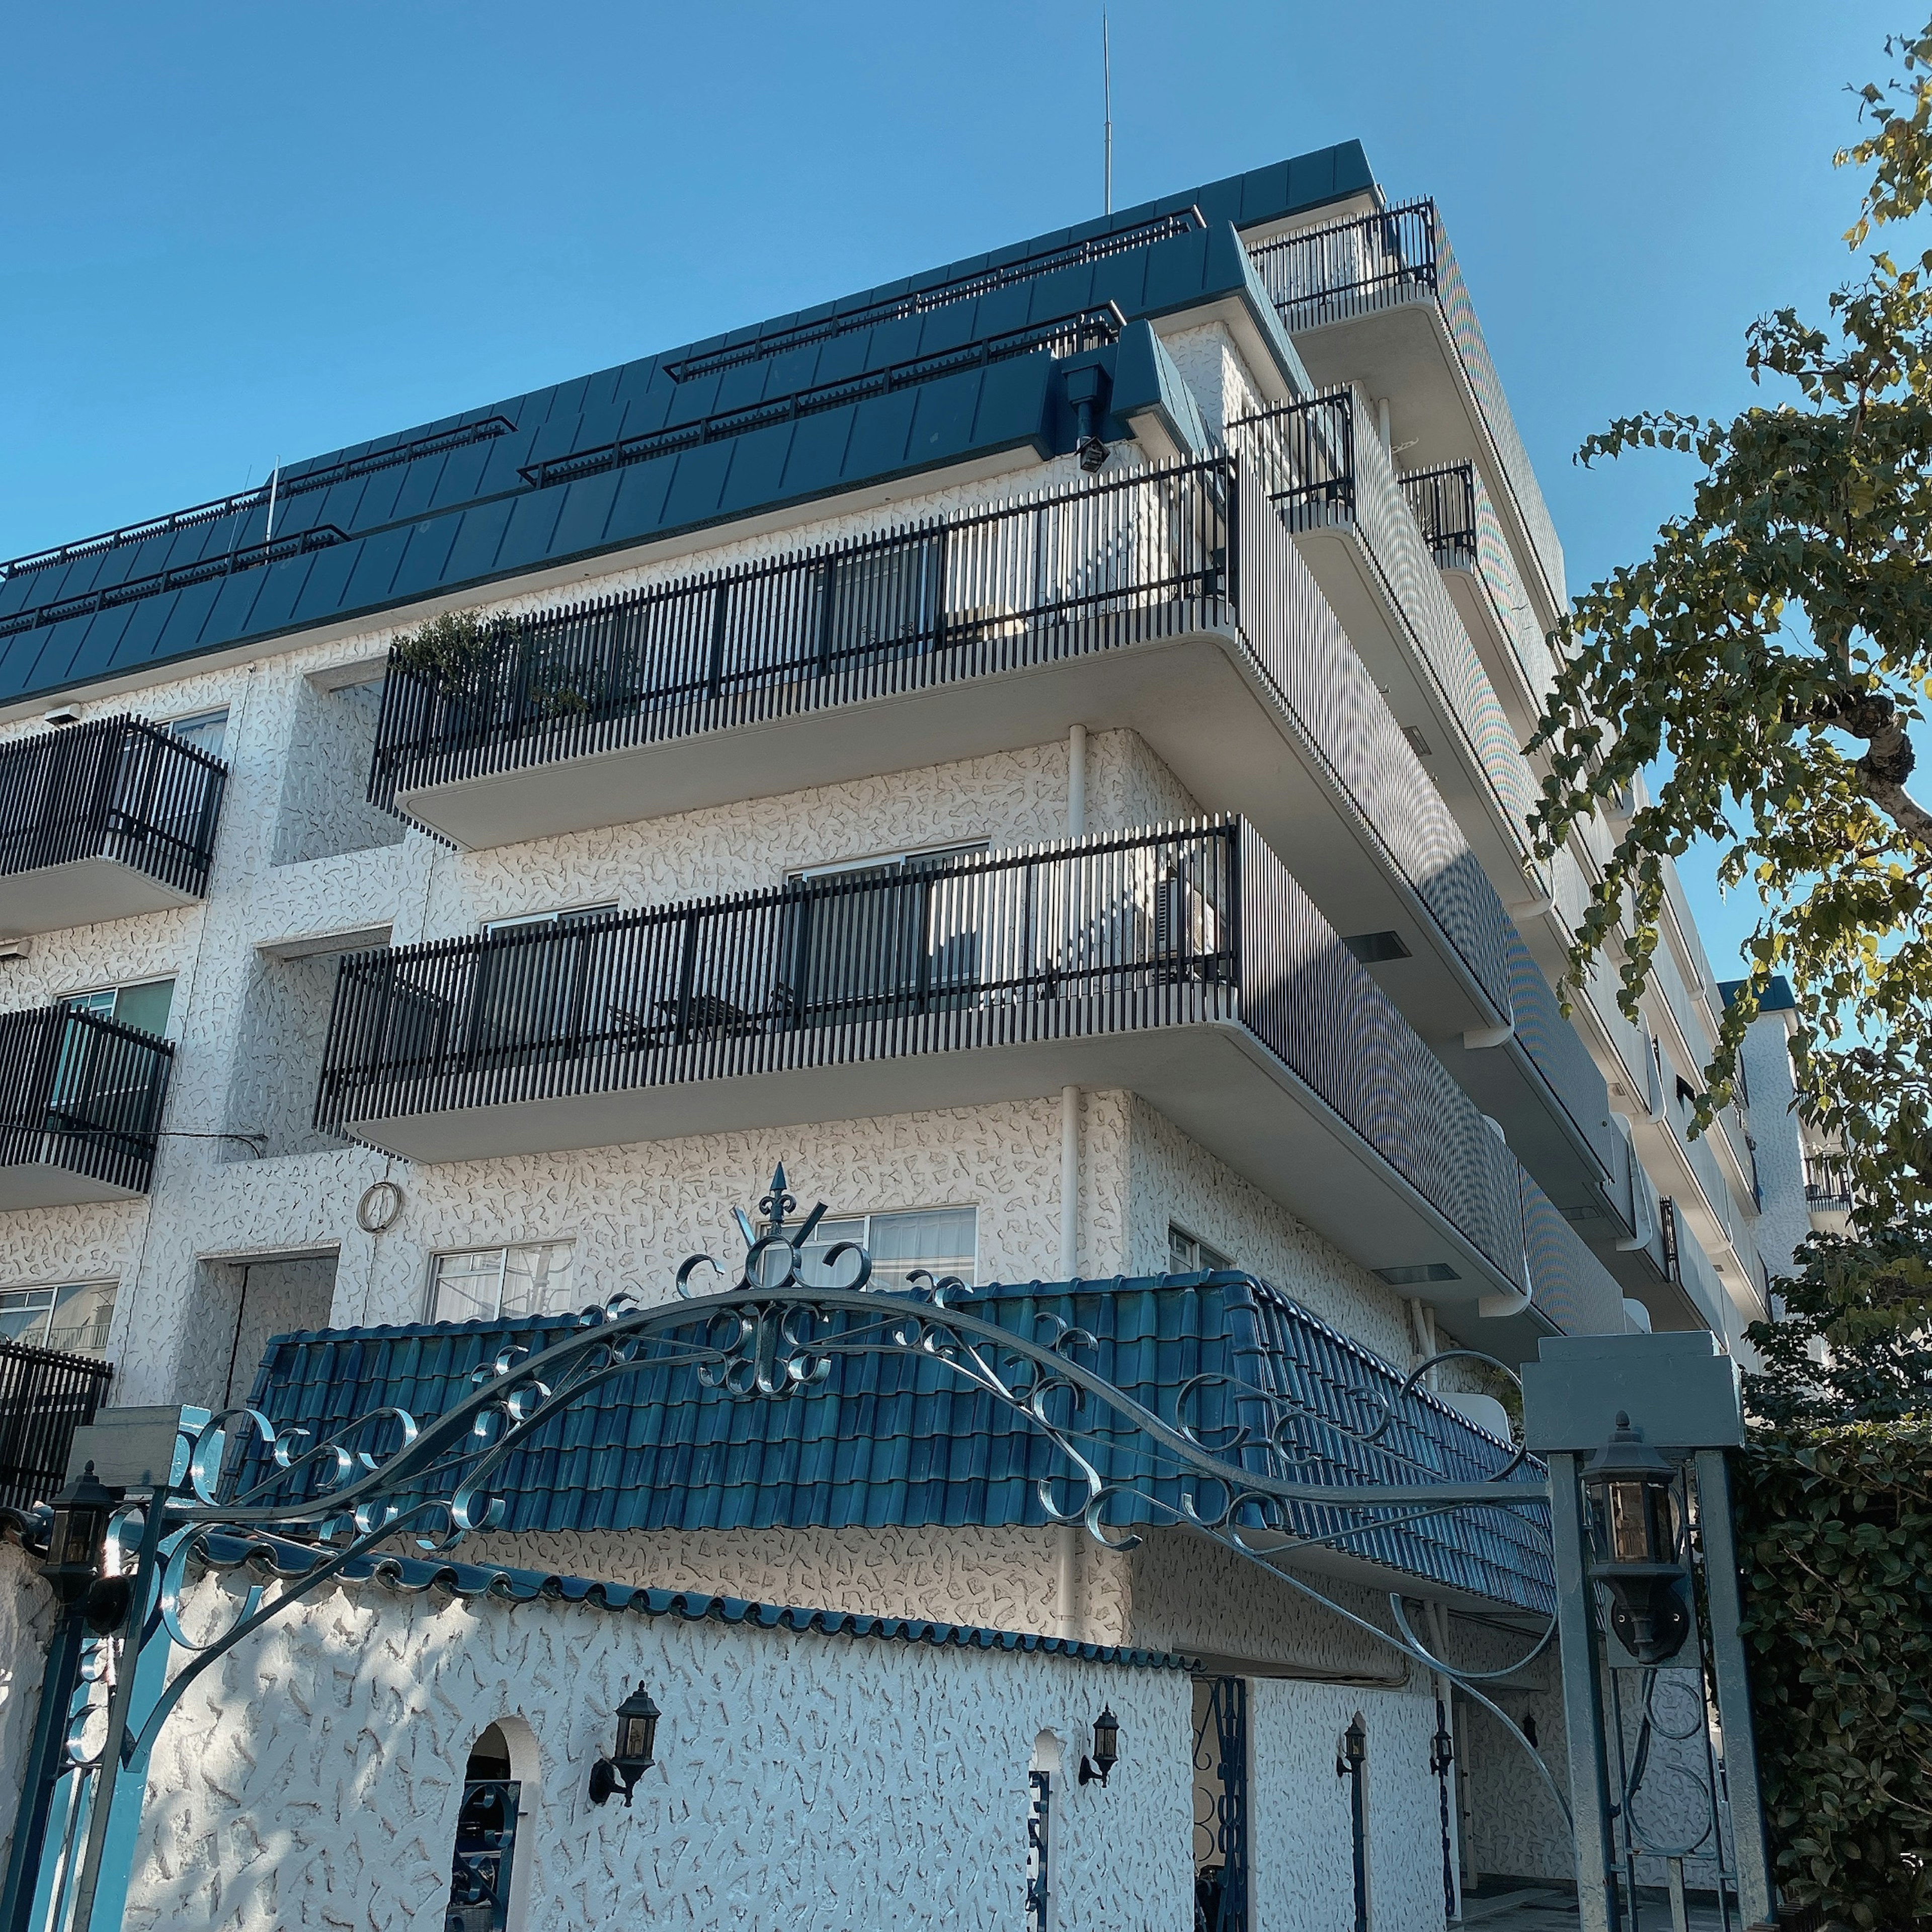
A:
1219, 1263
865, 1217
54, 1290
502, 1250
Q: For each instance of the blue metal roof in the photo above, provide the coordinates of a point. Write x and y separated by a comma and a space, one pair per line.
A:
411, 1576
889, 1440
754, 420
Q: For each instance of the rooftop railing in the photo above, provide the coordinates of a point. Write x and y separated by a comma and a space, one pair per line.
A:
1063, 335
179, 576
968, 287
1177, 926
1317, 276
1101, 566
81, 1092
45, 1395
115, 788
298, 483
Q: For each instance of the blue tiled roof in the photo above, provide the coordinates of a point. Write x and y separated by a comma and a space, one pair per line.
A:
891, 1440
412, 1575
448, 506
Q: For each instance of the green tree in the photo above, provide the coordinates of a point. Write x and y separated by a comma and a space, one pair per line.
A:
1770, 656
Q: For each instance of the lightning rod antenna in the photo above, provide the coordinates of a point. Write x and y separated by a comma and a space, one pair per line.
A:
1107, 97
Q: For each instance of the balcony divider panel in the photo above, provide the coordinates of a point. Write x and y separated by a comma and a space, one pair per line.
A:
1323, 465
116, 788
82, 1093
45, 1395
1306, 997
1302, 648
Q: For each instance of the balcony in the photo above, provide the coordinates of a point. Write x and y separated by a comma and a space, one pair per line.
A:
103, 820
1183, 964
1459, 523
1379, 301
1169, 602
45, 1395
80, 1107
1321, 464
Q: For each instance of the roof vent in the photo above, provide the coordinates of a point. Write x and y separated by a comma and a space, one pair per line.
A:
63, 714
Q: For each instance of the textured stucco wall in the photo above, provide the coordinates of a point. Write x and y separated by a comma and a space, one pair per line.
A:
804, 1781
26, 1628
1213, 368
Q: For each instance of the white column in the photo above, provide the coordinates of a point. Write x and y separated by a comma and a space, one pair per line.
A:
1069, 1182
1076, 782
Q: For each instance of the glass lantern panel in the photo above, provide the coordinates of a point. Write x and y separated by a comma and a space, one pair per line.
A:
1630, 1523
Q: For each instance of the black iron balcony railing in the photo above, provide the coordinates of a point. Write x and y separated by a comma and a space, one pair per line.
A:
1368, 261
1156, 554
1444, 500
45, 1395
960, 597
1177, 926
114, 788
82, 1093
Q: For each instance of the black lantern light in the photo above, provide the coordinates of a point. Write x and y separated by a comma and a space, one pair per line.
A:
79, 1536
637, 1748
1634, 1526
1106, 1749
1441, 1748
1355, 1752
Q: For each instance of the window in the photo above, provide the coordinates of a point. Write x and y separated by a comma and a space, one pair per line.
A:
206, 731
486, 1840
73, 1317
1187, 1255
942, 1241
145, 1007
575, 916
482, 1284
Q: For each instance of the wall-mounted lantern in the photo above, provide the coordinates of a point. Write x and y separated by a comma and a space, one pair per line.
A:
79, 1537
1355, 1752
636, 1750
1635, 1526
1106, 1749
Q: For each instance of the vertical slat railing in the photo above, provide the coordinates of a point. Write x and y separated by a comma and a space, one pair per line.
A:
1048, 577
111, 788
82, 1093
45, 1395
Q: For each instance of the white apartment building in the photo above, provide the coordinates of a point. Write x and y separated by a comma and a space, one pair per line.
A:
1035, 749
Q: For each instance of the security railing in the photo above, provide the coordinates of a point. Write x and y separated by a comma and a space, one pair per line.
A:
1349, 269
1181, 925
82, 1093
1444, 502
45, 1395
115, 788
952, 598
1323, 467
1159, 553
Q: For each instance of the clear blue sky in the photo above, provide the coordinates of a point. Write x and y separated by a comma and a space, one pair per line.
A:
232, 232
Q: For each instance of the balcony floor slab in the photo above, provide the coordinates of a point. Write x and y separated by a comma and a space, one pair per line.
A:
35, 1183
1214, 1079
84, 892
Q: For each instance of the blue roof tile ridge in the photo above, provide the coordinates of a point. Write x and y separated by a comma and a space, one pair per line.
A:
413, 1576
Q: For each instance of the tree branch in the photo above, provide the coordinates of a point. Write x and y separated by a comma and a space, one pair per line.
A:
1872, 716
